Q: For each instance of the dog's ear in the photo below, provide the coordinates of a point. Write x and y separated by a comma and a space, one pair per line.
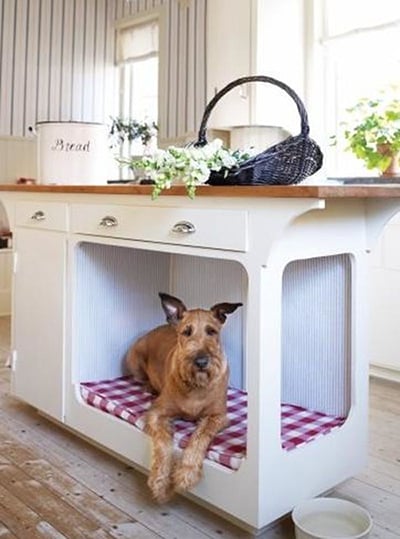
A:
173, 308
222, 309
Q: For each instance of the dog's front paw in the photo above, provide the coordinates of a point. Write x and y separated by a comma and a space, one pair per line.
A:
186, 477
161, 488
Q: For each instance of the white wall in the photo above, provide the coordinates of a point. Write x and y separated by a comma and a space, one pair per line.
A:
17, 158
279, 39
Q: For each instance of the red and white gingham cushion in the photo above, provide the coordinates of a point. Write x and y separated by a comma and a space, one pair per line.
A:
126, 399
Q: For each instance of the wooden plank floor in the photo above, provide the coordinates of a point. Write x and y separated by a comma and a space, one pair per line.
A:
54, 485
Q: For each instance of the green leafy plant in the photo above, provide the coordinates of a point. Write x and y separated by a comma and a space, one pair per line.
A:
372, 130
189, 165
122, 130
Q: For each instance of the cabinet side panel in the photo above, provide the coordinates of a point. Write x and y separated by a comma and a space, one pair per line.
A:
5, 281
39, 295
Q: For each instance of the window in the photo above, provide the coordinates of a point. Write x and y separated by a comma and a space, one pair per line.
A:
137, 57
360, 56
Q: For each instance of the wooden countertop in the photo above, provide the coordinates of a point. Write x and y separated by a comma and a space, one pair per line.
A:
291, 191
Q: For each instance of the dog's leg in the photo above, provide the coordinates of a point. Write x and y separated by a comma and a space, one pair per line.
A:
160, 479
188, 472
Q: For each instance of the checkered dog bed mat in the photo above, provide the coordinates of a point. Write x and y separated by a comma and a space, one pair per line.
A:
126, 399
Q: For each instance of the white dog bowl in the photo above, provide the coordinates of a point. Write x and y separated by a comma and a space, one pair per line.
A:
329, 518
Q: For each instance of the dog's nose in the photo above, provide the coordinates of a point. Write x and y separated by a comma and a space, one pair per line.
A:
201, 362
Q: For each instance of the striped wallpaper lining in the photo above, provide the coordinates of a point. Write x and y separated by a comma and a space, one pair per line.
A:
123, 284
185, 98
316, 334
57, 62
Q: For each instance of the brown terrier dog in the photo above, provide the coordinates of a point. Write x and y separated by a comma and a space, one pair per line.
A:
183, 363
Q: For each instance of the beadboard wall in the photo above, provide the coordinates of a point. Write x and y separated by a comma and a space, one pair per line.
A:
316, 334
57, 61
131, 303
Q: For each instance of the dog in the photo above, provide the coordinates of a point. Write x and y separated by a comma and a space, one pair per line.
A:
183, 363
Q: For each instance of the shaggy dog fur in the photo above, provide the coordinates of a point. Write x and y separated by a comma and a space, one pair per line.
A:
184, 364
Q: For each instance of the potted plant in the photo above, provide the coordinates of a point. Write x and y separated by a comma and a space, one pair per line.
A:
190, 165
372, 132
122, 133
127, 130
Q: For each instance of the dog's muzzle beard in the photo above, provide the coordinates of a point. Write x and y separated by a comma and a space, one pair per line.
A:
201, 362
198, 371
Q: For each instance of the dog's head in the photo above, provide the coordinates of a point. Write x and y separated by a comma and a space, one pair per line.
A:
199, 357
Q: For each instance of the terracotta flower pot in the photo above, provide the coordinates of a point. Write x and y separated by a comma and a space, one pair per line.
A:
393, 169
394, 166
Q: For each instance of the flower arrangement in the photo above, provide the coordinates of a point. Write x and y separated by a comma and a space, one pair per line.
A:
190, 165
373, 130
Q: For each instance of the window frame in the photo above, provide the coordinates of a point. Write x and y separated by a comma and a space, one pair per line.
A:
320, 79
156, 14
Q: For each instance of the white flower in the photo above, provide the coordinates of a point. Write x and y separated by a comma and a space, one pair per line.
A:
192, 164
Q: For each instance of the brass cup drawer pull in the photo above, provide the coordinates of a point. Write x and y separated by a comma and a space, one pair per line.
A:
38, 216
184, 227
108, 221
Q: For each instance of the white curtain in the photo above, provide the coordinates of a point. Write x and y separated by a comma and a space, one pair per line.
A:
138, 42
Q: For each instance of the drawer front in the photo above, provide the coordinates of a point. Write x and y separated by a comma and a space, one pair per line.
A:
42, 215
216, 229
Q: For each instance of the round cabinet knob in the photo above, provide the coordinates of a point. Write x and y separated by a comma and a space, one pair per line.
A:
38, 216
108, 221
184, 227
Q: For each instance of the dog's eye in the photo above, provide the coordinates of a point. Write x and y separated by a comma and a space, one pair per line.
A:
211, 331
187, 331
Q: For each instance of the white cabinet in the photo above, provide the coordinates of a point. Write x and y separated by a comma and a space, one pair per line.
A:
38, 322
255, 37
228, 58
384, 289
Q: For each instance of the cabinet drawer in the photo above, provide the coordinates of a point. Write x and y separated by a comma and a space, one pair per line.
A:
42, 215
217, 229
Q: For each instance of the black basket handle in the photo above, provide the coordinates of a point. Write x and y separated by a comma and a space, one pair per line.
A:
202, 139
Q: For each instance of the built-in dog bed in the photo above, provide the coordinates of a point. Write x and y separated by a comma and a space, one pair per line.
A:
125, 398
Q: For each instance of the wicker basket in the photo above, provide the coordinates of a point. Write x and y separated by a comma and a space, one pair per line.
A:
287, 162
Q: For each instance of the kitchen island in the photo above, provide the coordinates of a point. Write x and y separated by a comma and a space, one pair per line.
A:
89, 262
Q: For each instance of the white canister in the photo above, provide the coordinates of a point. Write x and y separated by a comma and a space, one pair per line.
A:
72, 153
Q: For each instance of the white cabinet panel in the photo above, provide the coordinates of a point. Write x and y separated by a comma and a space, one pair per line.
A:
391, 247
39, 319
228, 58
5, 281
384, 318
384, 289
